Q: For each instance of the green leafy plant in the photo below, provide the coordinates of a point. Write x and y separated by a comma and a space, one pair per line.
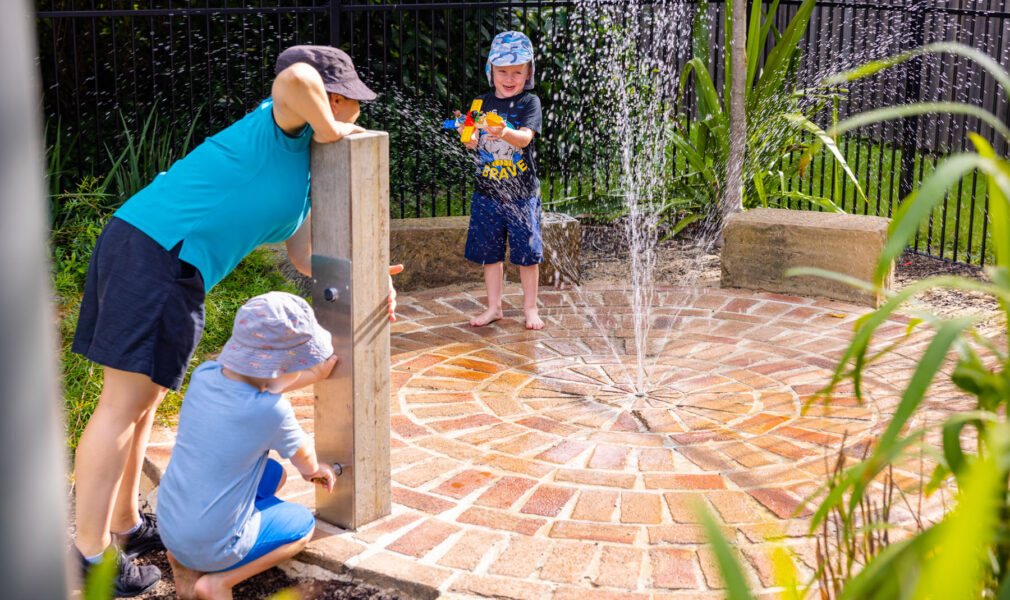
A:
961, 556
780, 121
966, 554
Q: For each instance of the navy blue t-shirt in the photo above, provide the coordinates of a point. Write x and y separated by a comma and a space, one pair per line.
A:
505, 171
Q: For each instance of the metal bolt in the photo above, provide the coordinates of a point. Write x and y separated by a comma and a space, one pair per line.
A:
338, 469
330, 294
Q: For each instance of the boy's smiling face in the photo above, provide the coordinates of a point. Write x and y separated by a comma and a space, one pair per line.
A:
509, 80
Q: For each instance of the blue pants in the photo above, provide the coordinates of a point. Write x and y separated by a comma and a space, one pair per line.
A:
493, 220
280, 522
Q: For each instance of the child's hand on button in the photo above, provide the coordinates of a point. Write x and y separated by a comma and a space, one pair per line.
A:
323, 476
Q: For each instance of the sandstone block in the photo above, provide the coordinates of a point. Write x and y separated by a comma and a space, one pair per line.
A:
762, 244
431, 250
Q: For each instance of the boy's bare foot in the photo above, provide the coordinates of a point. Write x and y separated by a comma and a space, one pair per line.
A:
210, 587
185, 579
488, 316
533, 320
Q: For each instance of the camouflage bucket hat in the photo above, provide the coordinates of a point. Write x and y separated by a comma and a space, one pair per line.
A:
511, 48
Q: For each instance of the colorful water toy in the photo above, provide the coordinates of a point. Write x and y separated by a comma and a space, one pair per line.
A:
473, 120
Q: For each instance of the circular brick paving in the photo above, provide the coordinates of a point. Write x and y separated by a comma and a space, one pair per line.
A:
529, 464
533, 457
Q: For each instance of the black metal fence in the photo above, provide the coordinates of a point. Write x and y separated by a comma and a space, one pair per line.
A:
108, 65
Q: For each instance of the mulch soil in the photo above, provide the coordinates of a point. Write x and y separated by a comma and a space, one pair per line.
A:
271, 582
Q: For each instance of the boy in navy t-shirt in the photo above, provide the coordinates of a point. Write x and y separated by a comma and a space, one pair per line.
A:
506, 203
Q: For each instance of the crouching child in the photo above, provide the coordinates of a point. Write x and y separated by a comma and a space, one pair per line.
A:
218, 511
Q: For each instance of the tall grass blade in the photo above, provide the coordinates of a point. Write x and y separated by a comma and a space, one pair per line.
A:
996, 70
890, 113
954, 568
999, 205
777, 64
709, 103
919, 206
828, 142
699, 33
729, 567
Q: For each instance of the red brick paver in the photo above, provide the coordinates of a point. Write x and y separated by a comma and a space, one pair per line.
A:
532, 465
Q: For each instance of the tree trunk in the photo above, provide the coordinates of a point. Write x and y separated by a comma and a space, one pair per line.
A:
733, 201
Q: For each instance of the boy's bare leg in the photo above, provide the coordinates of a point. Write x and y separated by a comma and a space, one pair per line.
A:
104, 450
217, 586
494, 276
126, 508
530, 278
185, 578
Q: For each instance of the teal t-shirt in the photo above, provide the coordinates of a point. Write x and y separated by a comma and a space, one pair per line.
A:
245, 186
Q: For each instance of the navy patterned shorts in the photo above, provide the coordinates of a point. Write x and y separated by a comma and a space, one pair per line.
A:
492, 221
142, 310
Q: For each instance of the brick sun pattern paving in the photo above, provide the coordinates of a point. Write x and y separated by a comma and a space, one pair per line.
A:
525, 466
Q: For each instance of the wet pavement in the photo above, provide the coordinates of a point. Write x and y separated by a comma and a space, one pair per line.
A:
540, 465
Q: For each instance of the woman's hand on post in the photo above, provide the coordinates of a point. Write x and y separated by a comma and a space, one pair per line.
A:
393, 270
340, 129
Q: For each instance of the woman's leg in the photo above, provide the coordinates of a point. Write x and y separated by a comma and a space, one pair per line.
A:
126, 508
104, 451
217, 586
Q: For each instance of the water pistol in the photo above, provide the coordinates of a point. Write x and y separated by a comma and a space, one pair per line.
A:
473, 120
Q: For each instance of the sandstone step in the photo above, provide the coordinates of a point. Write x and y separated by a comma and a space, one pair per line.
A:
431, 250
762, 244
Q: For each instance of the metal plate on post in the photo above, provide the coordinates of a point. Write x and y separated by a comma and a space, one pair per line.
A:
334, 412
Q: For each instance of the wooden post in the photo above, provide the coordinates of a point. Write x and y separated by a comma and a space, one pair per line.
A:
350, 266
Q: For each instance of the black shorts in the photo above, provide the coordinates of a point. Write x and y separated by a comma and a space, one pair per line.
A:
143, 307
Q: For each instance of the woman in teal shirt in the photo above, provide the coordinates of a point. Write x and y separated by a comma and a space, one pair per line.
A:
142, 313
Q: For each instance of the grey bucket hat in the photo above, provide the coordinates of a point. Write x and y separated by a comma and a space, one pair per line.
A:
273, 334
335, 67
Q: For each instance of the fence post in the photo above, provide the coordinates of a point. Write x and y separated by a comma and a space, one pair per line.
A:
350, 265
335, 23
913, 91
